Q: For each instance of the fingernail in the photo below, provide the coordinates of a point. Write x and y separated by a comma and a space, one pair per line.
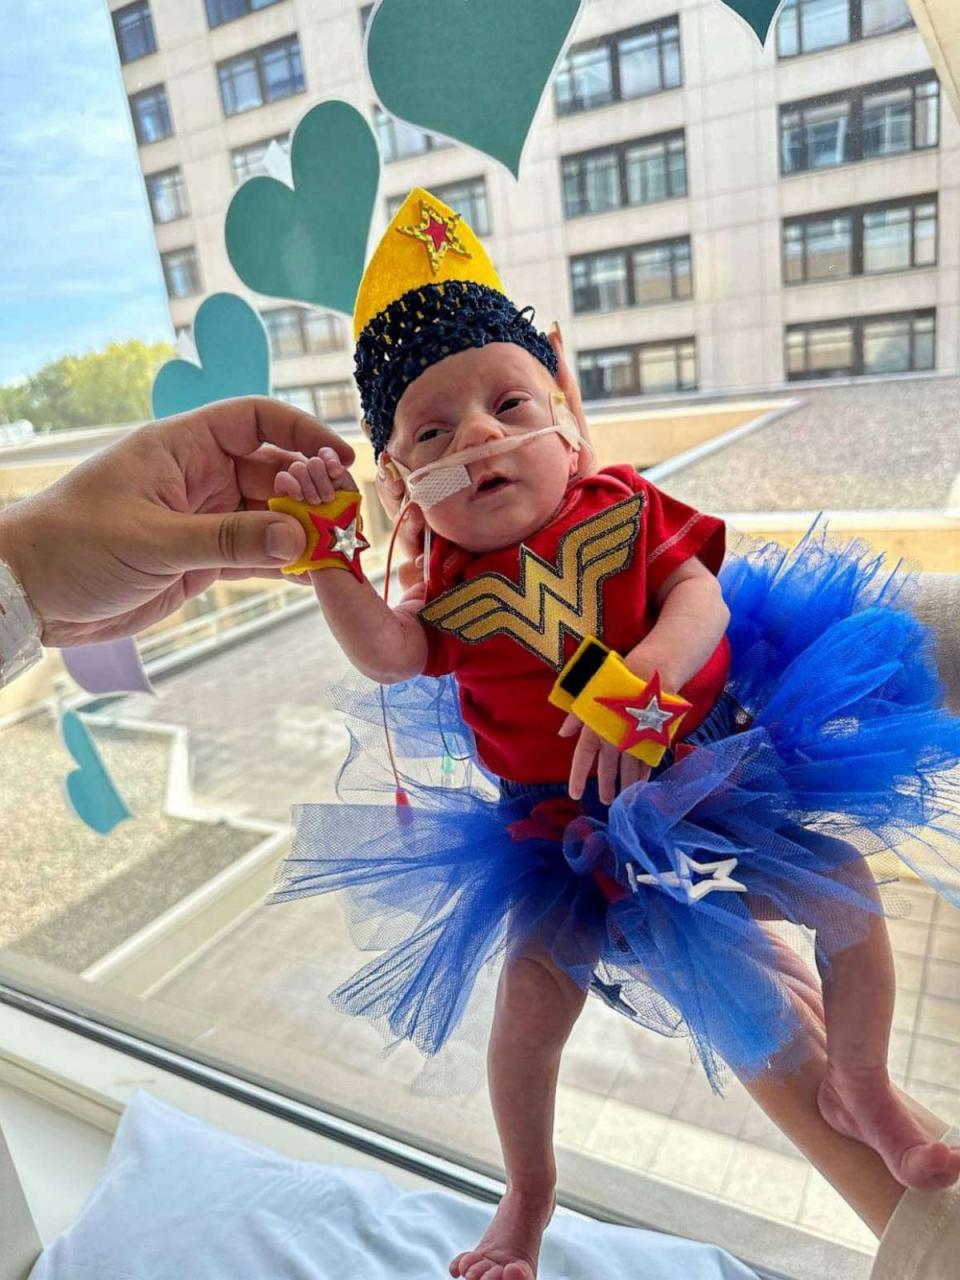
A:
555, 328
283, 544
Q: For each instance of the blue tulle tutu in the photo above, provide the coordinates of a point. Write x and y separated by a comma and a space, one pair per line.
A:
829, 748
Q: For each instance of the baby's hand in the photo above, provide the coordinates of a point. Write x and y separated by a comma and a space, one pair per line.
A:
314, 480
591, 747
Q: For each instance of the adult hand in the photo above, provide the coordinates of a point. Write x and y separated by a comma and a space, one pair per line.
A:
391, 488
129, 535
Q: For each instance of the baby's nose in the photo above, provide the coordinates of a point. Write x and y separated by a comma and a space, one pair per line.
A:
477, 428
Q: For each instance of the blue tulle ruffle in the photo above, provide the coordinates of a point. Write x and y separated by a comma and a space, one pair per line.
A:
828, 748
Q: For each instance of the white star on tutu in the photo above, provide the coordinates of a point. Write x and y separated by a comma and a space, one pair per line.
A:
347, 541
652, 716
716, 877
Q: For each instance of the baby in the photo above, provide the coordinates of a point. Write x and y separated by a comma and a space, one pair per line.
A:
527, 558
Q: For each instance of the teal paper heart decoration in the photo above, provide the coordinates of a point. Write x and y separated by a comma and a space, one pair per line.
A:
758, 14
234, 355
473, 71
91, 792
309, 243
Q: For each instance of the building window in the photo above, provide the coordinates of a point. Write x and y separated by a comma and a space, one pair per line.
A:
248, 162
869, 240
902, 343
468, 198
632, 173
181, 272
399, 140
168, 195
618, 67
878, 17
862, 124
133, 28
298, 331
806, 26
644, 275
261, 76
221, 11
330, 402
150, 111
654, 368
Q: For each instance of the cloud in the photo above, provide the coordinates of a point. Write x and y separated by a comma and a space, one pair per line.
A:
80, 264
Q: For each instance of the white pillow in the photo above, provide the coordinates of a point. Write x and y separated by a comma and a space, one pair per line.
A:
179, 1200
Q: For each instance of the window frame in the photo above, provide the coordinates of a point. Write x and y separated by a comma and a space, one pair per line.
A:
611, 41
619, 150
198, 276
135, 98
627, 252
634, 350
283, 139
182, 198
856, 214
857, 325
249, 9
302, 316
144, 6
854, 98
257, 54
855, 24
345, 385
383, 120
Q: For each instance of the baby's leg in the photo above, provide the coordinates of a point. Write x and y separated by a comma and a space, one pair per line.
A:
857, 1096
537, 1006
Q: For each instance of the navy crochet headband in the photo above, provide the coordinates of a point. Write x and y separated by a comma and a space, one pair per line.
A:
424, 326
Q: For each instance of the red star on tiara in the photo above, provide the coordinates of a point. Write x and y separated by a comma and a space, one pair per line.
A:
437, 233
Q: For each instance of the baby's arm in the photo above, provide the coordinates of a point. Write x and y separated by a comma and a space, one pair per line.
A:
385, 644
692, 618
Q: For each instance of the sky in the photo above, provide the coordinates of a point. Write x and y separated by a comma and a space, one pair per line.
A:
78, 262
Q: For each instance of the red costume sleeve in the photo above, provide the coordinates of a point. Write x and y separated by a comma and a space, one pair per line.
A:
675, 533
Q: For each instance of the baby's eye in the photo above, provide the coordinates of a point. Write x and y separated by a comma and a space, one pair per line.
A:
511, 402
430, 433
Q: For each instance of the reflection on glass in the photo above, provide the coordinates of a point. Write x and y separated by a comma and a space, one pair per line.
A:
881, 16
804, 26
591, 184
168, 195
584, 80
600, 282
656, 170
606, 373
151, 115
662, 272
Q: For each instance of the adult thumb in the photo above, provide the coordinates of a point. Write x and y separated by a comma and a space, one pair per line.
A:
236, 540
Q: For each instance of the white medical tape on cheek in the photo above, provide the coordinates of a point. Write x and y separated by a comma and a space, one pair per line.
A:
430, 485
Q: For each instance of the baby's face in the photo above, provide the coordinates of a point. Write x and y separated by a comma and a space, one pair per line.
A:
472, 398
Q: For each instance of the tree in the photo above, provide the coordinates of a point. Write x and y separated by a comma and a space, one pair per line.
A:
92, 390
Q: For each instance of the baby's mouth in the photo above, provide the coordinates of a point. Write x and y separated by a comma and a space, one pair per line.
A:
490, 484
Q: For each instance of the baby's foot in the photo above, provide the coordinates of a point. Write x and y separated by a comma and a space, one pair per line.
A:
866, 1106
511, 1244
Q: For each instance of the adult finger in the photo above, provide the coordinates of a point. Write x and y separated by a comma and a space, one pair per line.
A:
565, 379
584, 755
241, 426
244, 539
569, 726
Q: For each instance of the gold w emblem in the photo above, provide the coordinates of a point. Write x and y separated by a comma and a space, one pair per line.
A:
548, 602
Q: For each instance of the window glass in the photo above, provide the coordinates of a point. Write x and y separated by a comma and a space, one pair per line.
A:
168, 195
881, 16
815, 312
133, 26
151, 115
181, 273
584, 80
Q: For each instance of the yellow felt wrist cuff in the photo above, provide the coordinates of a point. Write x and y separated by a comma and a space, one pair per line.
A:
635, 715
334, 532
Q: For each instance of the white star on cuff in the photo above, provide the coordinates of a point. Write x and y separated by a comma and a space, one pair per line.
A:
652, 716
347, 542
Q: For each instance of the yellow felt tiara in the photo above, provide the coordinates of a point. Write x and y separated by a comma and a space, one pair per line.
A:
429, 292
425, 243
